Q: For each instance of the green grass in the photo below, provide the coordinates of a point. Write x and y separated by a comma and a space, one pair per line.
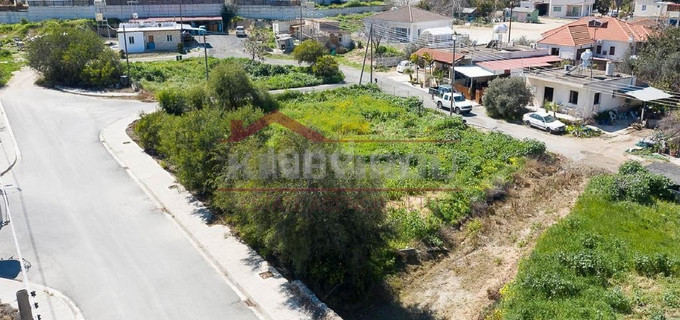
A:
483, 161
607, 260
350, 4
352, 22
160, 74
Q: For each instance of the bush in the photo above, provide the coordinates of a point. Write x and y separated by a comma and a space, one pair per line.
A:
148, 130
231, 86
340, 50
180, 48
172, 100
325, 67
74, 57
633, 183
309, 51
507, 98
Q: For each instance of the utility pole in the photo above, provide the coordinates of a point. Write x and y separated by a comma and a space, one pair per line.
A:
363, 65
453, 74
127, 54
371, 41
205, 53
512, 5
181, 20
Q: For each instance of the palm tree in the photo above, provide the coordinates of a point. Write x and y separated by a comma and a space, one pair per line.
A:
551, 106
428, 60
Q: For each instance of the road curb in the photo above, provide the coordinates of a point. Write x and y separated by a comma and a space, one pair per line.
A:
17, 153
93, 94
264, 295
74, 312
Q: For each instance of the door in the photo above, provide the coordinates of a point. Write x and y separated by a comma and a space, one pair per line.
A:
150, 43
548, 94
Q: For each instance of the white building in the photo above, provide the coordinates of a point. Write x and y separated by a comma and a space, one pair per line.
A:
150, 36
405, 24
668, 12
580, 93
560, 8
608, 38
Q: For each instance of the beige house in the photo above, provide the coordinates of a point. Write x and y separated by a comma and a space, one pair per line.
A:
150, 36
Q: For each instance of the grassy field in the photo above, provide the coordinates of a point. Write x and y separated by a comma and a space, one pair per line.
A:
160, 74
352, 22
612, 258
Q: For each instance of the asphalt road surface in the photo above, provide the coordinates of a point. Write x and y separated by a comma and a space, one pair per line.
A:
87, 229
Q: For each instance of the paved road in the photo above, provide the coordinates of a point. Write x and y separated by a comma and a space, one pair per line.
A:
87, 229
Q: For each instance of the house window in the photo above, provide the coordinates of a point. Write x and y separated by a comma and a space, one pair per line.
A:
598, 50
573, 97
612, 50
168, 38
131, 40
597, 98
402, 33
555, 51
644, 7
557, 9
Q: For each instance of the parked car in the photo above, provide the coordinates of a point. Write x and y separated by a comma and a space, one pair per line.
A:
240, 31
544, 121
460, 105
405, 64
440, 91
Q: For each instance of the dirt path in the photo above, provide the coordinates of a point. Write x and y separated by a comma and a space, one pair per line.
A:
466, 282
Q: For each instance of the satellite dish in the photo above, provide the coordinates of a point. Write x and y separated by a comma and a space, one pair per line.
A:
135, 15
586, 56
501, 28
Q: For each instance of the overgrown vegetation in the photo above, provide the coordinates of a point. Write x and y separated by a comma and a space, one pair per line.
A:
615, 256
658, 60
350, 4
73, 56
155, 76
352, 22
338, 242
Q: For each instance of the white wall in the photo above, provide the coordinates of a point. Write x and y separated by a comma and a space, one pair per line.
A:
620, 50
136, 47
586, 95
651, 9
586, 8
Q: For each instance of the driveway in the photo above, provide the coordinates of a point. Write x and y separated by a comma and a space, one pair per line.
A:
87, 229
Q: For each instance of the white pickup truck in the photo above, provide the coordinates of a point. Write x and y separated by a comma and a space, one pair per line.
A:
460, 105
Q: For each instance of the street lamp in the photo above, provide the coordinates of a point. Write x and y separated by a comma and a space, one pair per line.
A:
453, 73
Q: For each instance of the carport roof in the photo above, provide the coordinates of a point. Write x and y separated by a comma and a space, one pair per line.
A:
474, 72
646, 94
512, 64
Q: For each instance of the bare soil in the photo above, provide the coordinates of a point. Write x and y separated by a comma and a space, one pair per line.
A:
465, 283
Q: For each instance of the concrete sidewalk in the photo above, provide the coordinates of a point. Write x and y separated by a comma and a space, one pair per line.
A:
52, 304
259, 284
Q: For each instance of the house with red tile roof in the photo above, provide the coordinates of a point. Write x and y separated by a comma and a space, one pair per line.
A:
607, 37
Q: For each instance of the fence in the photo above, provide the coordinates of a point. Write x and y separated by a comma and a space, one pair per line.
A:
64, 3
278, 3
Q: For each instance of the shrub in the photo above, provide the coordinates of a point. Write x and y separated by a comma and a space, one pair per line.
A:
148, 130
72, 56
340, 50
658, 263
325, 67
618, 301
633, 183
507, 98
180, 48
309, 51
232, 88
172, 101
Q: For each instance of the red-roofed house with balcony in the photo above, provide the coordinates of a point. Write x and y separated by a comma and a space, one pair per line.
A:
607, 37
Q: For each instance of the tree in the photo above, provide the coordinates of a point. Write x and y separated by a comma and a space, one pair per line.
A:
309, 51
409, 72
327, 234
670, 126
417, 61
484, 7
228, 13
658, 61
506, 98
326, 67
256, 44
428, 59
438, 76
74, 57
602, 6
231, 88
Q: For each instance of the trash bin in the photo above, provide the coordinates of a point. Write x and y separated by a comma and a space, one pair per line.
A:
178, 57
124, 81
